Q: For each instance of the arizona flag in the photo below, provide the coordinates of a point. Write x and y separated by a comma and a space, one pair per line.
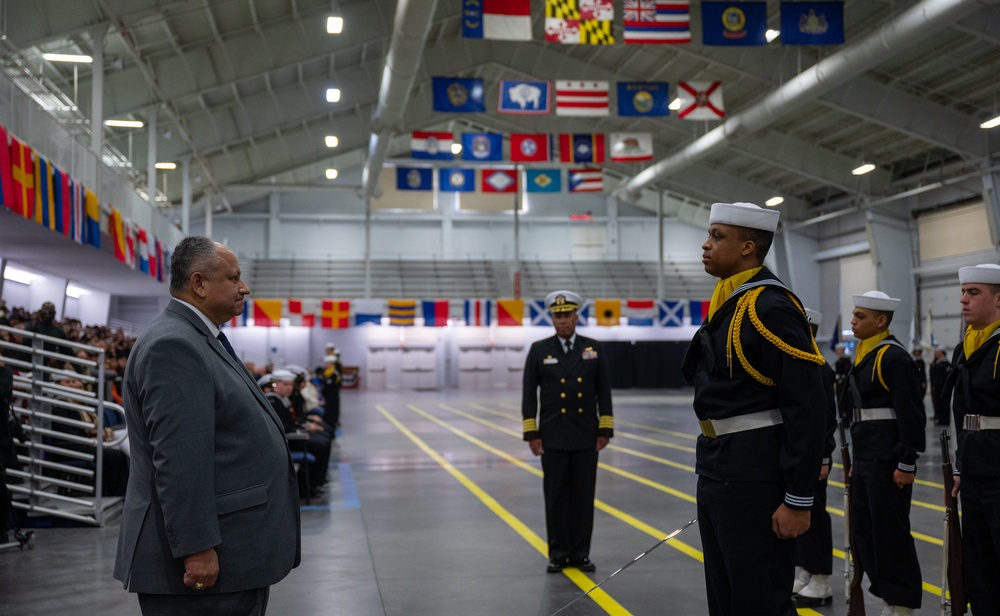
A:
335, 314
700, 100
267, 312
23, 171
608, 311
530, 148
435, 312
582, 98
432, 146
504, 20
478, 312
631, 147
510, 312
641, 312
656, 22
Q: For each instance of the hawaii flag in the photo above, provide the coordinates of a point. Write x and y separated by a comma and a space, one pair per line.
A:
700, 100
582, 98
631, 147
656, 22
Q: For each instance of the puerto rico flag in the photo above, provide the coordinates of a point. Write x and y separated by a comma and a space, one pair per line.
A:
582, 98
585, 180
656, 22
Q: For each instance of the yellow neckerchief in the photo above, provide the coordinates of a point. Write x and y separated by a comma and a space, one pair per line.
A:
974, 338
867, 345
725, 287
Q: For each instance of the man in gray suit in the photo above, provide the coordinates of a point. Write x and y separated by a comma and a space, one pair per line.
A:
211, 515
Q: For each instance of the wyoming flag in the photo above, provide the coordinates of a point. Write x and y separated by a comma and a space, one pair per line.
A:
608, 311
335, 314
267, 312
510, 312
402, 311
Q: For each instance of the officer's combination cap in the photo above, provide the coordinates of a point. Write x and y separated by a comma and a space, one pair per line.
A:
563, 301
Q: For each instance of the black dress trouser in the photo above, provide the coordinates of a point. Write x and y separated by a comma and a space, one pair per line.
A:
570, 482
981, 541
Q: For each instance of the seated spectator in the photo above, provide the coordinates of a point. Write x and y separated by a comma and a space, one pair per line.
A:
283, 383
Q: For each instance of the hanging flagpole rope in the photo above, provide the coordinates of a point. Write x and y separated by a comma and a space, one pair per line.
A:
627, 565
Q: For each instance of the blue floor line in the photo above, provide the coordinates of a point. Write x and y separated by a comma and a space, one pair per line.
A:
347, 487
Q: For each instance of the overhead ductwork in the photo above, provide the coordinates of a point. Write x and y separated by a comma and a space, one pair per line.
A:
409, 35
921, 20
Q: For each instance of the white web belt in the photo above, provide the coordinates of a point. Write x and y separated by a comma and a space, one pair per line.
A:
713, 428
874, 414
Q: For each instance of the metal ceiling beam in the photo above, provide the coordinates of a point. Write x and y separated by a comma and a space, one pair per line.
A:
910, 27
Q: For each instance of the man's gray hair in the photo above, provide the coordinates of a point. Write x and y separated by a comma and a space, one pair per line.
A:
192, 254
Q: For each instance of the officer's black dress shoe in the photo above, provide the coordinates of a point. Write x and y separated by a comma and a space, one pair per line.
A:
555, 566
584, 565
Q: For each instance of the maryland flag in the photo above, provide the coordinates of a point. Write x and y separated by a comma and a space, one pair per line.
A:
608, 311
573, 22
267, 312
402, 311
335, 314
510, 312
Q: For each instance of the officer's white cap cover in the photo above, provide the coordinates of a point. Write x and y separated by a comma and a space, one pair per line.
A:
332, 359
876, 300
984, 273
815, 317
742, 214
282, 375
267, 379
563, 301
295, 369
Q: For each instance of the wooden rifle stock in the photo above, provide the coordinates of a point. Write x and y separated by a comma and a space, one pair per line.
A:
855, 594
951, 577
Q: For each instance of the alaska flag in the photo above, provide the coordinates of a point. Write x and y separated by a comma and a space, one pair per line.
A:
812, 23
455, 95
482, 146
643, 98
734, 23
457, 180
414, 178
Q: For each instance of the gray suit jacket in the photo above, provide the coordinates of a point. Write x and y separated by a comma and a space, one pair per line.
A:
210, 465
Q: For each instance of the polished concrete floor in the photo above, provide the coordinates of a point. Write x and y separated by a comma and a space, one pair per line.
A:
435, 508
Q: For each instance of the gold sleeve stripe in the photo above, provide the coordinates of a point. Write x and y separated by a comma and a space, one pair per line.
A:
606, 421
531, 425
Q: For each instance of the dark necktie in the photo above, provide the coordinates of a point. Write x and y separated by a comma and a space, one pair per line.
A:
229, 348
569, 346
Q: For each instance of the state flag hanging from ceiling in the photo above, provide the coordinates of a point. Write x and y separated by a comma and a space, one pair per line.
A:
656, 22
581, 148
457, 95
608, 311
812, 23
499, 180
524, 97
581, 98
451, 179
700, 100
530, 148
482, 146
643, 98
435, 312
335, 314
510, 312
414, 178
574, 22
631, 147
431, 145
505, 20
585, 180
543, 180
734, 23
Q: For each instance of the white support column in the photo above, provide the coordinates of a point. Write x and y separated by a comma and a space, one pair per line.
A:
274, 247
446, 203
209, 207
613, 248
892, 241
186, 196
151, 154
660, 247
991, 200
97, 95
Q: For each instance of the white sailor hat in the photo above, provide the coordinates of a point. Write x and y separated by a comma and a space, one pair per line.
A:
295, 369
330, 359
282, 375
876, 300
742, 214
265, 380
984, 273
563, 301
815, 316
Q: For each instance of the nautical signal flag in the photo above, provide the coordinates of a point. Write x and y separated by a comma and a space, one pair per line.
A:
631, 147
499, 180
92, 217
402, 311
482, 146
505, 20
530, 148
734, 23
267, 312
539, 313
579, 21
6, 176
670, 313
543, 180
435, 312
585, 180
643, 98
510, 312
457, 95
698, 310
302, 313
524, 97
23, 171
656, 22
368, 311
581, 148
581, 98
608, 311
116, 229
812, 23
641, 312
431, 145
700, 100
478, 312
414, 178
44, 206
452, 179
335, 314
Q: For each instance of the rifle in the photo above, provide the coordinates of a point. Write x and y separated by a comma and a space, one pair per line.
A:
951, 570
853, 592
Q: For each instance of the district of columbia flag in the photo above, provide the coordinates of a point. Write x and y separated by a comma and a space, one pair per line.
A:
505, 20
543, 180
608, 311
435, 312
585, 180
640, 312
267, 312
530, 148
402, 311
698, 310
581, 148
538, 313
656, 22
700, 100
670, 313
478, 312
524, 97
431, 145
631, 147
482, 146
510, 312
581, 98
22, 170
335, 314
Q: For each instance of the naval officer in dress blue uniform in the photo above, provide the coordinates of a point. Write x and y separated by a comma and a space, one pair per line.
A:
566, 407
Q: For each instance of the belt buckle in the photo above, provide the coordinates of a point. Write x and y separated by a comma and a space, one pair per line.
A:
972, 423
857, 415
707, 429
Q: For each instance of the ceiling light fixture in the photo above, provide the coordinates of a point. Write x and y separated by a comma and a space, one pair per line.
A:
773, 201
675, 104
331, 141
331, 174
166, 166
990, 123
770, 35
67, 57
863, 169
456, 148
334, 25
17, 275
332, 95
75, 292
124, 123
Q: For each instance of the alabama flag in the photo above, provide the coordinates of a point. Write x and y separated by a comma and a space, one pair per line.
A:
700, 100
582, 98
505, 20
